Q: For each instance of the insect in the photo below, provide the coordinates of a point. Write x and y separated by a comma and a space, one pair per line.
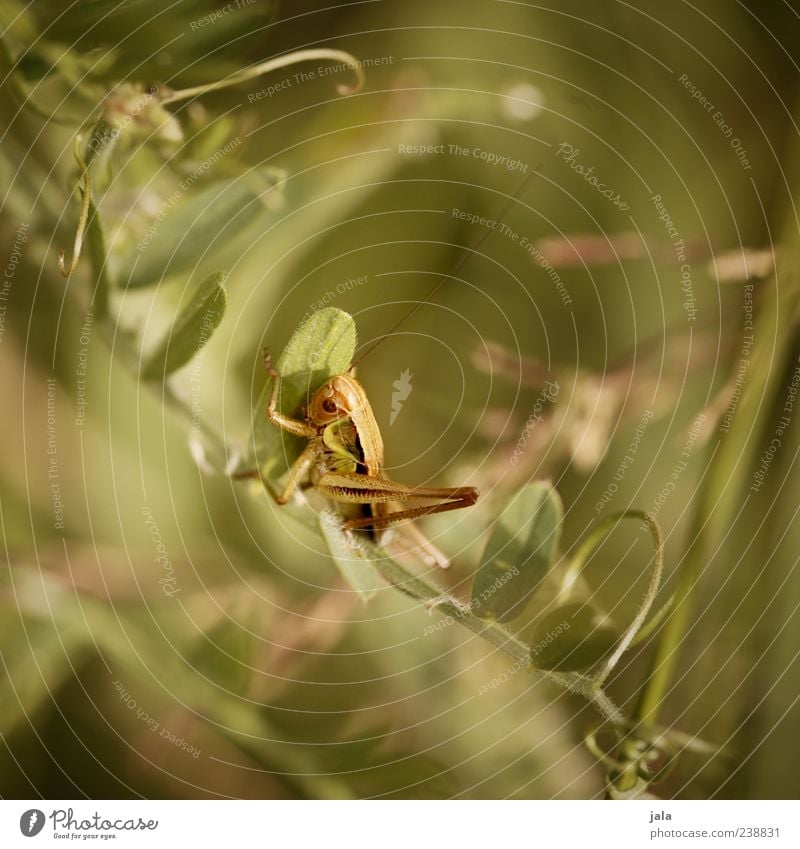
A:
344, 456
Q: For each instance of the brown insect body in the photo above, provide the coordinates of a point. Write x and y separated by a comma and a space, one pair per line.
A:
344, 458
350, 440
344, 398
345, 450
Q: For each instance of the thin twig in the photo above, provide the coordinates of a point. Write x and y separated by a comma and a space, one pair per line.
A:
272, 65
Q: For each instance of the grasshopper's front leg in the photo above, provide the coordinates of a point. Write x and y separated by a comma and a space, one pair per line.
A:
366, 489
296, 426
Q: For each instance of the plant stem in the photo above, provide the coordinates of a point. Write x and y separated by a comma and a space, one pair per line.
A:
427, 592
664, 657
65, 268
721, 489
272, 65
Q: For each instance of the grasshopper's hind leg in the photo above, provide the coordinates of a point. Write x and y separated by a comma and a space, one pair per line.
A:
382, 493
421, 546
407, 538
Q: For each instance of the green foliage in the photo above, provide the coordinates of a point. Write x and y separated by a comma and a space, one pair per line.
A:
153, 33
210, 217
323, 346
27, 688
519, 553
572, 638
226, 656
191, 330
288, 684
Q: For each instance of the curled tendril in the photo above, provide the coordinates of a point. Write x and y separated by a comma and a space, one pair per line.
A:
640, 755
651, 754
168, 96
273, 65
647, 602
635, 632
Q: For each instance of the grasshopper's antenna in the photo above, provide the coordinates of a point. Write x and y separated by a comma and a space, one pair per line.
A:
445, 277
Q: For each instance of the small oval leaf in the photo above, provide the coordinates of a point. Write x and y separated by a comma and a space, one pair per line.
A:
212, 217
573, 638
323, 346
519, 553
192, 329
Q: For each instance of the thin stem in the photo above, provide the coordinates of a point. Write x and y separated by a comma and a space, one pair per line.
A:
726, 470
86, 203
721, 486
655, 620
662, 662
665, 656
272, 65
426, 591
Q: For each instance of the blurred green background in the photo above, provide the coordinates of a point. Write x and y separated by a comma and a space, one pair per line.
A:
176, 635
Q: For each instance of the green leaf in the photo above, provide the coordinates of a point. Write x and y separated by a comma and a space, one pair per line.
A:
323, 346
351, 559
202, 220
137, 34
519, 553
573, 638
192, 329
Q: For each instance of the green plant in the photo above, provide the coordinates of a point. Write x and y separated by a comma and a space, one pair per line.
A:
222, 637
521, 552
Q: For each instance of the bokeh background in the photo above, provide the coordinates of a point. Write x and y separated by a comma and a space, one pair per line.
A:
168, 632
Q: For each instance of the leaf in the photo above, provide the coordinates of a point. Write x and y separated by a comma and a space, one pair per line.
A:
323, 346
519, 552
134, 640
191, 330
151, 31
351, 559
573, 638
202, 220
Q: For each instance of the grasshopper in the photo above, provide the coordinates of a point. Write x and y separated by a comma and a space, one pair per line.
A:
344, 456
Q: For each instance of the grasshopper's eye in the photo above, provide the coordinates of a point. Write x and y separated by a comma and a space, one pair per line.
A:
329, 405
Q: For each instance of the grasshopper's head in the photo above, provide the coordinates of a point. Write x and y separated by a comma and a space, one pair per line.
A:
337, 398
